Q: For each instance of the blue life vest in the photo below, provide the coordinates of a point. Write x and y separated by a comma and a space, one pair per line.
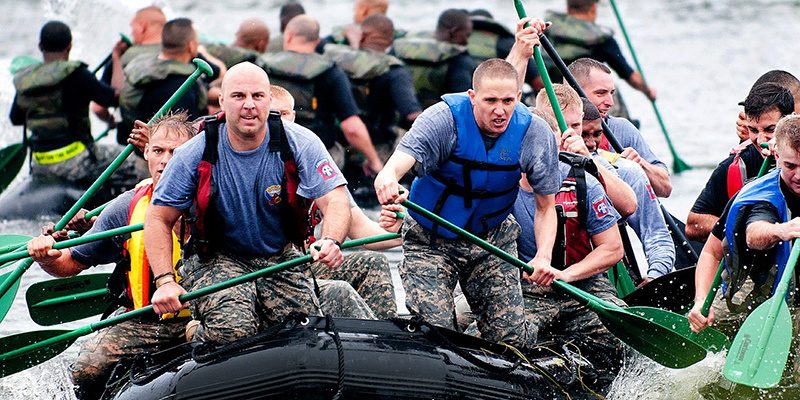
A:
766, 188
474, 188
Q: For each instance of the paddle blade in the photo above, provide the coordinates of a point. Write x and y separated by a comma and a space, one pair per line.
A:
759, 361
710, 339
673, 292
679, 165
653, 340
8, 298
12, 158
12, 242
64, 300
33, 357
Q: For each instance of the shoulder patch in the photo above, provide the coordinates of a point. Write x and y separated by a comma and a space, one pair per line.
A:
325, 169
601, 208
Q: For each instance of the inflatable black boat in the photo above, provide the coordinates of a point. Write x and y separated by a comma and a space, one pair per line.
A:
333, 358
34, 197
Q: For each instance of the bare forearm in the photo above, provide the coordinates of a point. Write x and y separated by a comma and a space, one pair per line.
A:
621, 195
699, 226
64, 266
707, 268
599, 260
544, 226
659, 179
357, 135
361, 226
519, 61
158, 238
637, 82
762, 235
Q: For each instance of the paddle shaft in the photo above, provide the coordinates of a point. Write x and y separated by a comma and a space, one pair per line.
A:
551, 51
85, 330
77, 241
70, 298
106, 60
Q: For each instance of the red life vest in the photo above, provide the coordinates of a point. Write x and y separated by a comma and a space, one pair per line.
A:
207, 223
573, 242
737, 171
604, 144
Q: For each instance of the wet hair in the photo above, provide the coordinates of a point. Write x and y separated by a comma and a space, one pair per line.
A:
494, 68
481, 12
177, 33
565, 95
580, 5
590, 111
765, 97
547, 117
174, 124
289, 11
304, 26
783, 78
787, 132
582, 67
452, 20
55, 36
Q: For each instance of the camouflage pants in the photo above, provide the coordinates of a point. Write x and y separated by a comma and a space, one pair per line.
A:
242, 310
368, 273
557, 317
83, 169
101, 352
491, 286
339, 299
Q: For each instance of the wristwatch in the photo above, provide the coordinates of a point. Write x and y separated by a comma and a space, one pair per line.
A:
336, 242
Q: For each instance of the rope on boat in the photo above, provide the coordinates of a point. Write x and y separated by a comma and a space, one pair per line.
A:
330, 328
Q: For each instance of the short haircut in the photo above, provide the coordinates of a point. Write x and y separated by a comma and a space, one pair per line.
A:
304, 26
547, 117
582, 67
783, 78
452, 19
481, 12
379, 23
765, 97
278, 92
289, 11
494, 68
55, 36
580, 5
590, 111
787, 132
174, 124
177, 34
565, 95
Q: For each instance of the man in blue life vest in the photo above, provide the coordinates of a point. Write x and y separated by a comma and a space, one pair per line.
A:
595, 79
755, 235
468, 152
132, 282
246, 182
764, 106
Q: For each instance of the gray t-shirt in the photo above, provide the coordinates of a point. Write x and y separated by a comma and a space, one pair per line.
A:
106, 251
629, 136
600, 215
432, 139
249, 186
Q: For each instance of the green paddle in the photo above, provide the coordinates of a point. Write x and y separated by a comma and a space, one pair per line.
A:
11, 279
106, 60
657, 334
759, 352
20, 62
12, 158
65, 300
678, 165
22, 351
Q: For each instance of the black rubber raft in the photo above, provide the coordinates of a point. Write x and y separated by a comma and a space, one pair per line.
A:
34, 197
334, 358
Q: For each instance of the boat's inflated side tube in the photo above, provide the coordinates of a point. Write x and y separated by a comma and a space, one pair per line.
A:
326, 358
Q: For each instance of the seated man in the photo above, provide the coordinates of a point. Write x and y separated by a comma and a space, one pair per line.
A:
247, 181
132, 280
755, 233
764, 106
366, 271
251, 40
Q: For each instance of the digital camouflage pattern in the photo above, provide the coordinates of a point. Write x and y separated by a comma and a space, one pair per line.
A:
243, 310
101, 352
339, 299
427, 60
231, 55
572, 38
482, 43
84, 168
360, 64
492, 287
40, 94
368, 273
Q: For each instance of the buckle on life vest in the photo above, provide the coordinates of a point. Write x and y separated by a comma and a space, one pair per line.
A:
59, 155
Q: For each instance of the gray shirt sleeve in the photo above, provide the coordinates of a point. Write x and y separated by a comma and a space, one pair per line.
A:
180, 175
600, 214
539, 157
629, 136
318, 173
106, 251
431, 138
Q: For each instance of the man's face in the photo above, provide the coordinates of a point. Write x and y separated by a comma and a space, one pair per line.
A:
600, 90
573, 117
246, 102
493, 103
286, 108
159, 149
788, 160
592, 133
194, 44
762, 127
137, 30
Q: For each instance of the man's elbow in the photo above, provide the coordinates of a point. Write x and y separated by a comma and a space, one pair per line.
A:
664, 189
695, 229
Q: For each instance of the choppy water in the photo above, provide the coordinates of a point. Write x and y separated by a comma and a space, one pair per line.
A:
701, 56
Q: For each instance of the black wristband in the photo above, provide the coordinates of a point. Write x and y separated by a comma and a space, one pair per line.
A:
336, 242
163, 275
